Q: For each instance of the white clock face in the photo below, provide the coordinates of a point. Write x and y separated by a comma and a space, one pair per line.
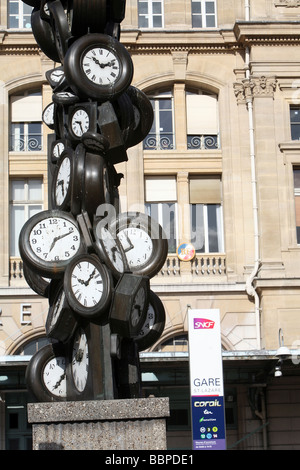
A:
87, 284
63, 181
80, 122
80, 361
54, 376
137, 245
57, 75
112, 249
48, 115
138, 306
54, 239
58, 150
101, 66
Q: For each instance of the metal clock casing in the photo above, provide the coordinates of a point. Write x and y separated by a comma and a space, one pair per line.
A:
129, 305
153, 325
98, 66
109, 249
46, 373
82, 118
48, 241
143, 240
61, 321
88, 287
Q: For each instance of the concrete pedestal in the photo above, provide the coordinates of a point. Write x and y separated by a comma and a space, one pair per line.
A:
129, 424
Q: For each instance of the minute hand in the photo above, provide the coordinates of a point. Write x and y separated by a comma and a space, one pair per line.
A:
58, 238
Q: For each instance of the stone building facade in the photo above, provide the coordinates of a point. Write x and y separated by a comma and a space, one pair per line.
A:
219, 169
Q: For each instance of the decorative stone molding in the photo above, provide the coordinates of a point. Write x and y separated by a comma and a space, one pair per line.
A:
287, 3
254, 87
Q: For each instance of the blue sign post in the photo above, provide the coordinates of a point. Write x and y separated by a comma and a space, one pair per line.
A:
206, 380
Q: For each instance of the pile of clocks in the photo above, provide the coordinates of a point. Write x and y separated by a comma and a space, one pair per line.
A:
93, 262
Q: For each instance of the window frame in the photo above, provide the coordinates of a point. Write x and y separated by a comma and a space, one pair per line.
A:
21, 15
204, 15
151, 15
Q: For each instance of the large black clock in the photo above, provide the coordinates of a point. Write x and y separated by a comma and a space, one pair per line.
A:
48, 241
46, 373
88, 288
143, 240
98, 66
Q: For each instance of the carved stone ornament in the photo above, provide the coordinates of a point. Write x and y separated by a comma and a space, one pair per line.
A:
287, 3
254, 87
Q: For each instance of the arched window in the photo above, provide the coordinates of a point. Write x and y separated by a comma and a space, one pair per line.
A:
26, 122
32, 346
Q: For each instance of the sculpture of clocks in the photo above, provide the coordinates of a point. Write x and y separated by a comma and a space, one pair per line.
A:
95, 270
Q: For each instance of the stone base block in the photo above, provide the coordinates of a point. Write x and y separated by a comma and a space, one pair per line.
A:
133, 424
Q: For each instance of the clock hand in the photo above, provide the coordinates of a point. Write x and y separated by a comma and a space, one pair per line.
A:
114, 250
61, 182
86, 283
59, 381
58, 238
129, 243
80, 124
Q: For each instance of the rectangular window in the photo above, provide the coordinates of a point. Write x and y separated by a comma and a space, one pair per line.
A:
297, 202
295, 122
161, 135
150, 13
206, 214
204, 14
161, 204
26, 199
19, 15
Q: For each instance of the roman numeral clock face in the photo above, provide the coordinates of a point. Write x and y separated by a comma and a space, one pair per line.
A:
101, 66
97, 66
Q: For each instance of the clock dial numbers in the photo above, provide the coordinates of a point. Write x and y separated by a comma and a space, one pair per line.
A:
87, 283
101, 66
80, 360
137, 245
143, 240
48, 241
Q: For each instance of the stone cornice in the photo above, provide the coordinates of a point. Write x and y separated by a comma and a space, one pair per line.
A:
267, 32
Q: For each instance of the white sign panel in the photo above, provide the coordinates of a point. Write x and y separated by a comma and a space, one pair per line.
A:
206, 380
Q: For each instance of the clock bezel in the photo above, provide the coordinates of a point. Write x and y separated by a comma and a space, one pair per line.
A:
97, 314
79, 81
50, 269
35, 369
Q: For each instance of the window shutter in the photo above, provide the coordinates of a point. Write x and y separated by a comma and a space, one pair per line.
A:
26, 108
202, 114
205, 190
160, 188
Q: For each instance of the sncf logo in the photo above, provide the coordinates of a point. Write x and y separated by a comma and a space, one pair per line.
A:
203, 324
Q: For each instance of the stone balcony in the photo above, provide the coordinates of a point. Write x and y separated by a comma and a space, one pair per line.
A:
209, 267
